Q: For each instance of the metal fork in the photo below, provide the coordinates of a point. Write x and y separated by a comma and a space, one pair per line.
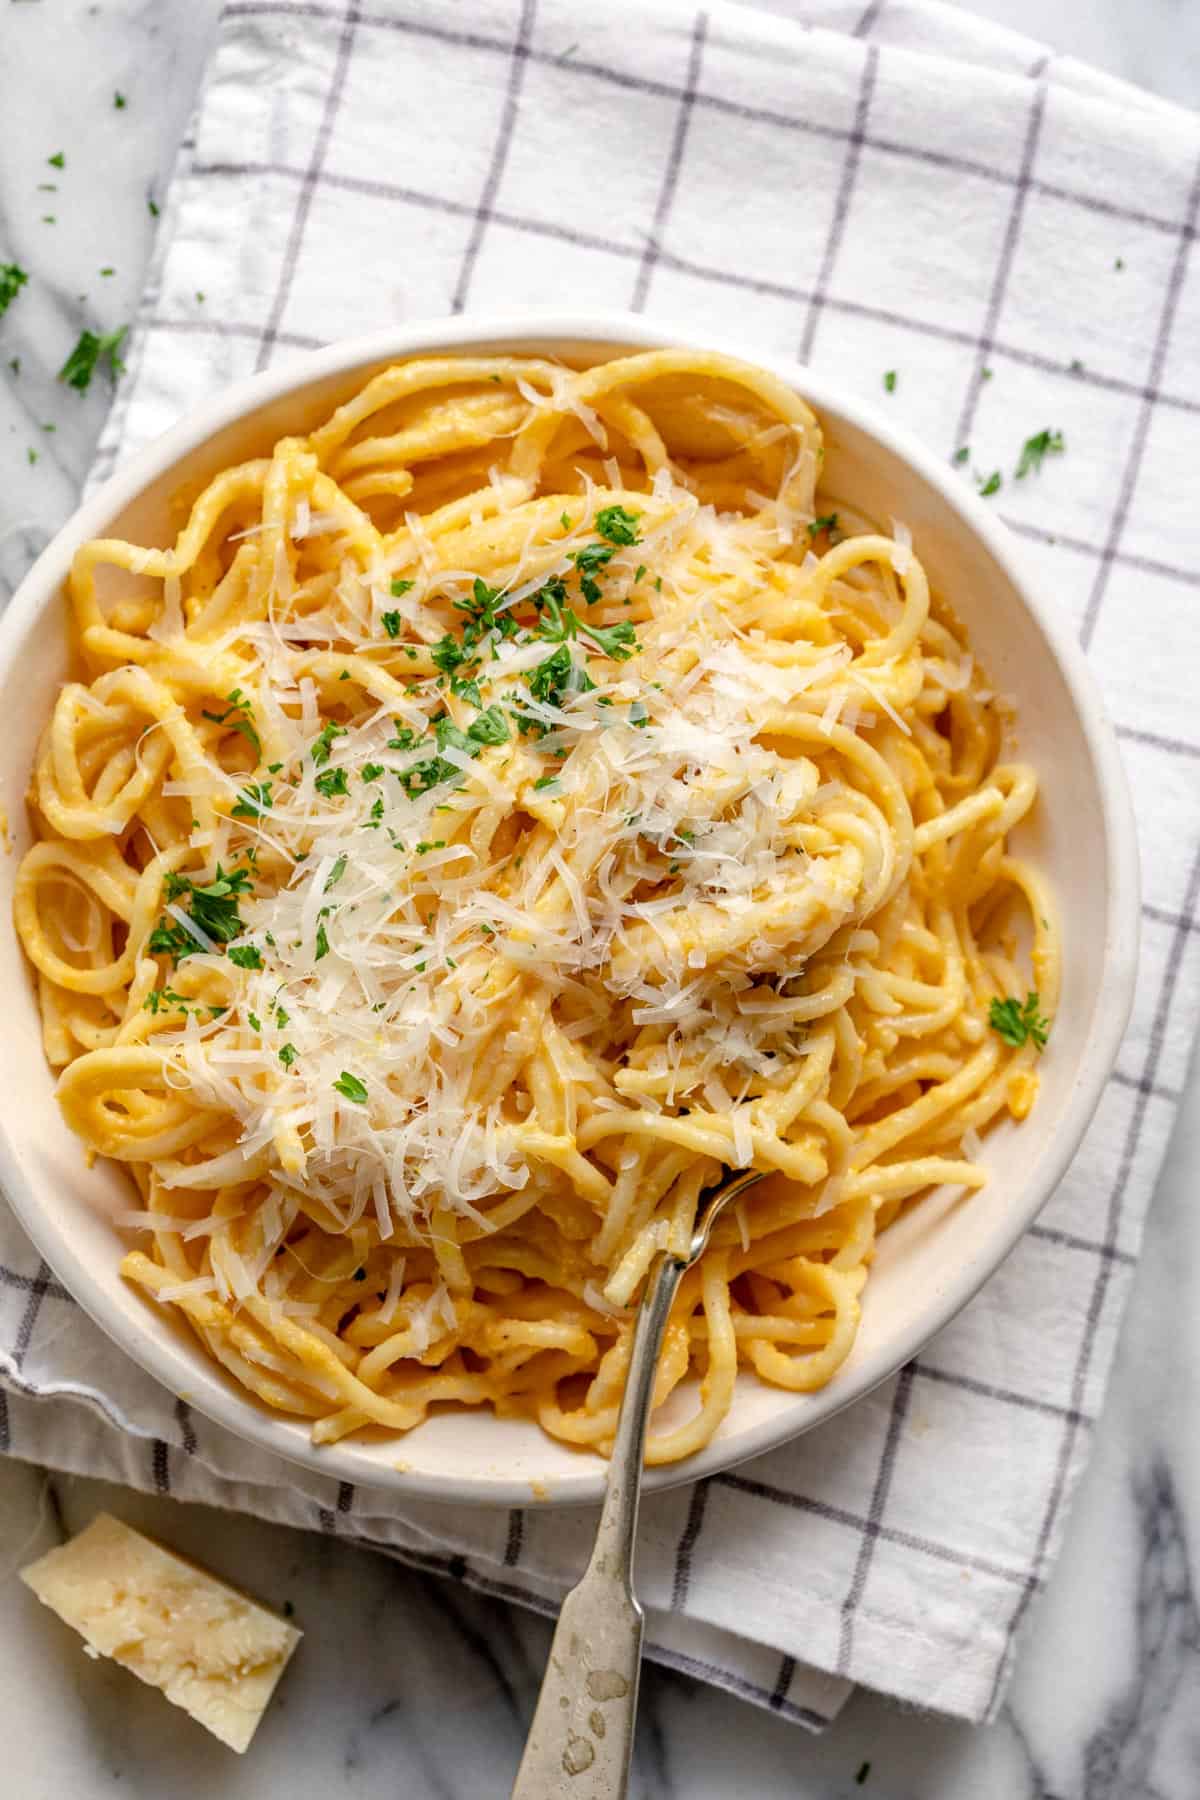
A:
581, 1739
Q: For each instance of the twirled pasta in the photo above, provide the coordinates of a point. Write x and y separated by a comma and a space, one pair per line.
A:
496, 812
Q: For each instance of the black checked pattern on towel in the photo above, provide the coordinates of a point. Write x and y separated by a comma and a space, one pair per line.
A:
987, 346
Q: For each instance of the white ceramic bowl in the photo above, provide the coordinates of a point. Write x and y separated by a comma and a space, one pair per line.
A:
934, 1259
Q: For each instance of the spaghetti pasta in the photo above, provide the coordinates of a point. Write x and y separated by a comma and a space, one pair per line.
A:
496, 812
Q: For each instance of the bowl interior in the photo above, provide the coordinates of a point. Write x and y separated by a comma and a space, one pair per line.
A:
928, 1263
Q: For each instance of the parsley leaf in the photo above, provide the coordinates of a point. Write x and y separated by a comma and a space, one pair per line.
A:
616, 523
551, 680
214, 908
253, 801
80, 366
824, 522
448, 654
1036, 449
287, 1055
617, 641
332, 782
165, 1000
594, 556
238, 715
215, 905
889, 381
172, 941
322, 745
491, 727
1017, 1022
12, 280
335, 874
391, 624
990, 485
245, 956
322, 942
351, 1087
400, 587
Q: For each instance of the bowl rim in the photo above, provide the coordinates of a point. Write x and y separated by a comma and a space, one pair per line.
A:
613, 331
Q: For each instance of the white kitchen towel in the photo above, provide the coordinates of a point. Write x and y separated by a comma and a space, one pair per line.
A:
1013, 237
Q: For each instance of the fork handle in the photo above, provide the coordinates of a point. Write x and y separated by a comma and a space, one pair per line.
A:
581, 1740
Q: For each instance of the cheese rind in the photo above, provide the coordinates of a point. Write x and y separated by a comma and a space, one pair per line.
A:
212, 1651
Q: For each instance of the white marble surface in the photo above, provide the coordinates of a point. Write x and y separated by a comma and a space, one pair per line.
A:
406, 1685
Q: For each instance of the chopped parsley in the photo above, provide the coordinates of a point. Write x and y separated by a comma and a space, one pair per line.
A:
322, 942
551, 681
617, 641
1018, 1022
990, 484
618, 525
322, 745
80, 366
1036, 449
351, 1087
252, 801
372, 771
545, 781
593, 556
332, 782
120, 102
287, 1055
960, 456
57, 161
12, 279
400, 587
254, 1021
491, 727
164, 1000
391, 624
826, 522
245, 956
449, 654
238, 716
335, 874
214, 910
889, 381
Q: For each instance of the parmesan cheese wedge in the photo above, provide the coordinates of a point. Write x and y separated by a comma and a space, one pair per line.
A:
211, 1650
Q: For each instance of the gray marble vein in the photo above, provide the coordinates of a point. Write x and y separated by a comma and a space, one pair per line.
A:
406, 1685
